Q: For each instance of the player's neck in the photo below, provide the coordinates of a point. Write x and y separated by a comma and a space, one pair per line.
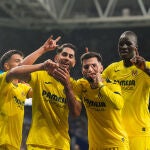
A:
127, 63
15, 82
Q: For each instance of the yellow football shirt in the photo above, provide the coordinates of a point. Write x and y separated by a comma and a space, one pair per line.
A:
12, 100
135, 90
49, 112
103, 110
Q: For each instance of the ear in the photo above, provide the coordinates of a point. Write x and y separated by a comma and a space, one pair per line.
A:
101, 68
6, 66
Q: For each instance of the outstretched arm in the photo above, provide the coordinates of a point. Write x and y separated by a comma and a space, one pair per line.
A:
23, 72
49, 45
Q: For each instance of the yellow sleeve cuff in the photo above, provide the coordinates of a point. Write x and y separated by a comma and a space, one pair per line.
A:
100, 85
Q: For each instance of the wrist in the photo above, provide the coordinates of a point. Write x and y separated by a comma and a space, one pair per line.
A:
43, 67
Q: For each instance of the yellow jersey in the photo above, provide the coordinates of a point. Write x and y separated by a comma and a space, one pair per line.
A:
103, 107
12, 100
135, 90
50, 112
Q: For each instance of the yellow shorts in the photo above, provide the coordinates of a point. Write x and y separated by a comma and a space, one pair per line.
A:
112, 148
35, 147
7, 147
139, 143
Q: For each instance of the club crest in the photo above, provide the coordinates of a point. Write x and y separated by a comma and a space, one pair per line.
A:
134, 72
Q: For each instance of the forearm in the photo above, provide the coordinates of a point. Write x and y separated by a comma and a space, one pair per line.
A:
30, 59
114, 98
23, 72
73, 104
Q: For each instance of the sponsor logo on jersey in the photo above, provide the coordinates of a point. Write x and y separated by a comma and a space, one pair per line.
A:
125, 82
52, 97
19, 102
93, 103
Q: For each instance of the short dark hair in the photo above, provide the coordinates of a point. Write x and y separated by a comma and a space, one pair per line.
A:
6, 56
90, 55
69, 45
133, 34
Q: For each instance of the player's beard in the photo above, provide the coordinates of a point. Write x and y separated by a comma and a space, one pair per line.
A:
90, 79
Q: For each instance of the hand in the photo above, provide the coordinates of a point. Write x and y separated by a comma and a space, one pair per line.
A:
96, 78
62, 75
138, 60
50, 66
51, 44
86, 49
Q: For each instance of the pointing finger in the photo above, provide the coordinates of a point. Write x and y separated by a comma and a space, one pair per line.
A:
86, 49
58, 38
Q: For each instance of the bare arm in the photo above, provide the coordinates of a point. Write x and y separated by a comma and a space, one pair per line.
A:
23, 72
49, 45
74, 105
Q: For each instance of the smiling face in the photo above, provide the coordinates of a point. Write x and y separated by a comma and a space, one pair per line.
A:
66, 58
14, 61
90, 67
126, 46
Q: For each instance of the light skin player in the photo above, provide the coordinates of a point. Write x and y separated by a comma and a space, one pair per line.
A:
51, 100
13, 95
103, 103
132, 73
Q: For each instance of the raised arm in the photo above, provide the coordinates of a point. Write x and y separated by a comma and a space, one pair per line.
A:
114, 97
140, 62
49, 45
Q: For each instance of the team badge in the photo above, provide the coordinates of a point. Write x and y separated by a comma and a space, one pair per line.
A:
134, 72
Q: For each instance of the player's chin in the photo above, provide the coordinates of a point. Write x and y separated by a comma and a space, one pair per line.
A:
65, 67
89, 79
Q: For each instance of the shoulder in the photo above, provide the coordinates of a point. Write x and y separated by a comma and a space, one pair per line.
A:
3, 77
108, 81
82, 81
24, 85
148, 64
39, 75
115, 64
3, 74
112, 84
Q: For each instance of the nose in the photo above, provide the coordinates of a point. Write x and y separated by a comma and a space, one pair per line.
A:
90, 68
125, 46
67, 58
